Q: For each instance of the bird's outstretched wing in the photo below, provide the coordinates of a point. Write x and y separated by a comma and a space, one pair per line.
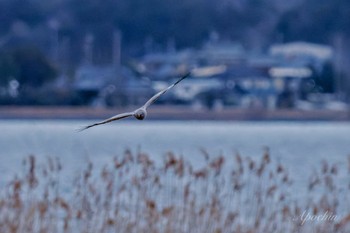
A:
114, 118
156, 96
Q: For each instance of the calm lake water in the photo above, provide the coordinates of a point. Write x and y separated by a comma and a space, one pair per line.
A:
301, 146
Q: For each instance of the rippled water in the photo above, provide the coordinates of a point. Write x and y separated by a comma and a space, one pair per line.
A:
299, 145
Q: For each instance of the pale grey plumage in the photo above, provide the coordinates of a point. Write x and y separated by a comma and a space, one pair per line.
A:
139, 113
113, 118
156, 96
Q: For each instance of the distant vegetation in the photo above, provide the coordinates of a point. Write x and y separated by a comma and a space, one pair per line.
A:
39, 40
27, 65
188, 23
136, 194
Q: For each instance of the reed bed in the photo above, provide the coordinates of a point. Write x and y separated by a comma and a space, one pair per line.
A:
133, 193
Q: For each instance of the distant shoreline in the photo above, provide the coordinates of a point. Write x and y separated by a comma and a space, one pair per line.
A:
173, 113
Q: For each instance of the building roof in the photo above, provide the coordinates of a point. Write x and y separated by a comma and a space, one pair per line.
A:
318, 51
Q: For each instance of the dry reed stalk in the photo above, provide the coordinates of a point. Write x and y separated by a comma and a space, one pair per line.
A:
136, 195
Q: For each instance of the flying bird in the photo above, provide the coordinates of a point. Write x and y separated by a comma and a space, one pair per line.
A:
139, 113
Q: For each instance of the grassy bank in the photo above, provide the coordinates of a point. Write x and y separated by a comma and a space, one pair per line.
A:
135, 194
172, 113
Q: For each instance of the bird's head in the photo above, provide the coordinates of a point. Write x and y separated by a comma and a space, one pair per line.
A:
140, 114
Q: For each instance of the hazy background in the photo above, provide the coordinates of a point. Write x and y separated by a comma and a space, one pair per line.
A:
254, 23
46, 46
270, 80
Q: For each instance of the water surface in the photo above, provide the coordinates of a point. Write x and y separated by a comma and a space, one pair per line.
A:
301, 146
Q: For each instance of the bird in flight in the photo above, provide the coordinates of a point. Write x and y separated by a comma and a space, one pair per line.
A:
139, 113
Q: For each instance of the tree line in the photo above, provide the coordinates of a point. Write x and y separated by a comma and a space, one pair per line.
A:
186, 22
153, 23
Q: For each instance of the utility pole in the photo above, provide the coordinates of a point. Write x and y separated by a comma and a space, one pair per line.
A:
117, 44
54, 25
88, 49
341, 79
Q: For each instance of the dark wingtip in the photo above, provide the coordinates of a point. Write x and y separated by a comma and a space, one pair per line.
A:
186, 75
82, 128
183, 77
